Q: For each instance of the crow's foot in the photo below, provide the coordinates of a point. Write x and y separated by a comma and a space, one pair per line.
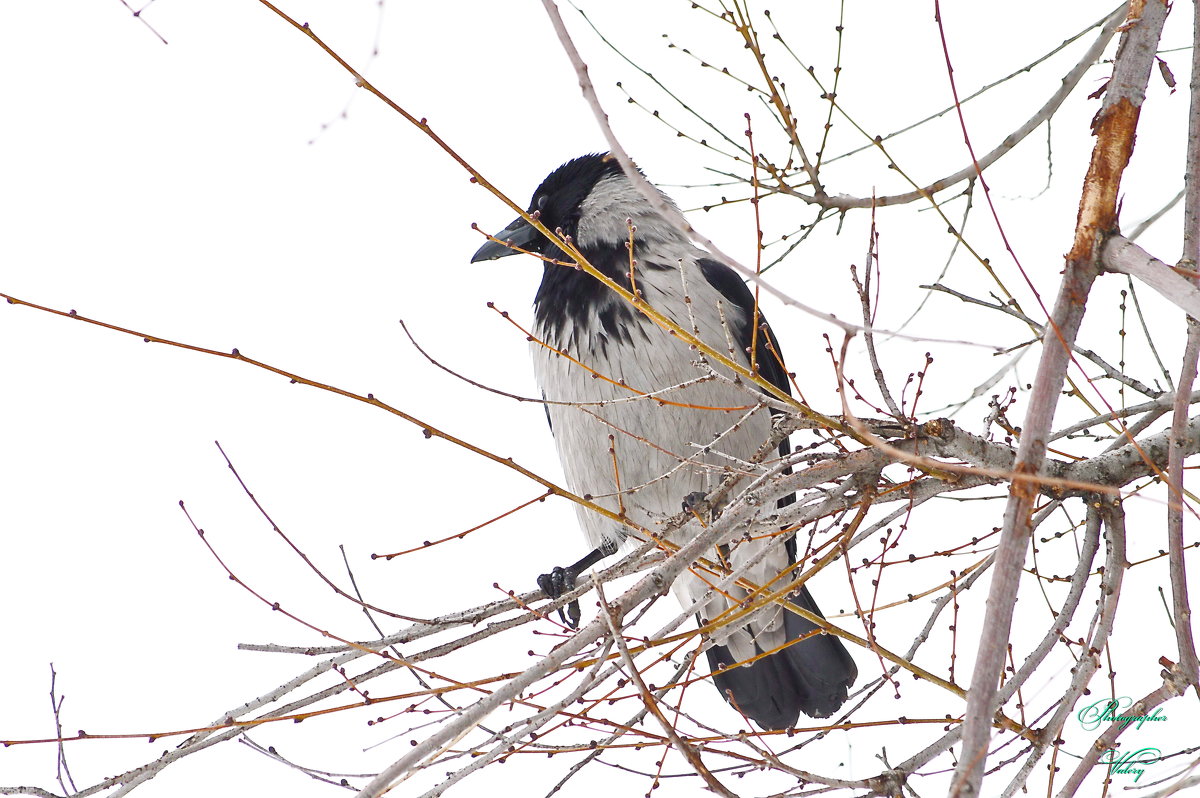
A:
696, 502
562, 580
557, 582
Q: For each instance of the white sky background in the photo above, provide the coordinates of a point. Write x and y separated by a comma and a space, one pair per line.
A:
192, 191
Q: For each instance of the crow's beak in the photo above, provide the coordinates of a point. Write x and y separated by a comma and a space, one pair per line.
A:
520, 233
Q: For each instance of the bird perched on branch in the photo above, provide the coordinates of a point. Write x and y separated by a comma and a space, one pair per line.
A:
646, 426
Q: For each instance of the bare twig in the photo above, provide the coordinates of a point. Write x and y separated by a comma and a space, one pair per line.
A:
56, 705
972, 170
1110, 371
870, 266
651, 702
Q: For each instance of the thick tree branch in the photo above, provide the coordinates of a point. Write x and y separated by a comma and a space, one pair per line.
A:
1189, 669
1114, 126
1119, 254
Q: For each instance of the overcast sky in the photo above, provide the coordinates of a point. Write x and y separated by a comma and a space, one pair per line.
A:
232, 188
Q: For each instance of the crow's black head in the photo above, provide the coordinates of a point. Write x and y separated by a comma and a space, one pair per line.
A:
558, 203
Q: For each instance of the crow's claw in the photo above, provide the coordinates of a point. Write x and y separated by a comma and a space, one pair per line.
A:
551, 583
554, 584
573, 614
696, 502
562, 580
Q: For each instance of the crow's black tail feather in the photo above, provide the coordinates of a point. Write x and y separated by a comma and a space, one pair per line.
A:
812, 676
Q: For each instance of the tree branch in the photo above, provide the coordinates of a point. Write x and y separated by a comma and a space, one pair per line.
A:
1115, 126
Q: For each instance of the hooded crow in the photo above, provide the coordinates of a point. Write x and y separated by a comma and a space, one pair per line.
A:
644, 429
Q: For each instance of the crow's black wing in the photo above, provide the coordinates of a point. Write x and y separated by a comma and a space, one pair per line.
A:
735, 291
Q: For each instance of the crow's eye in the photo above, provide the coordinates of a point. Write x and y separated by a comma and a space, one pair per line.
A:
540, 202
